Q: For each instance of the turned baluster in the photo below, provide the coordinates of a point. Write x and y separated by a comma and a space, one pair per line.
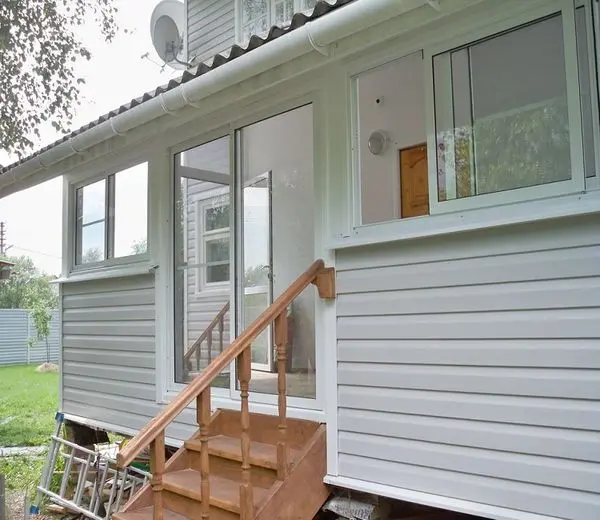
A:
281, 341
203, 419
157, 468
209, 338
244, 374
221, 330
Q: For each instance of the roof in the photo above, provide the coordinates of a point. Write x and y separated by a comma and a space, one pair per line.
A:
298, 20
4, 263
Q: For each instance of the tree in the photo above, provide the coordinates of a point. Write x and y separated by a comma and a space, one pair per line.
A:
27, 287
42, 316
38, 51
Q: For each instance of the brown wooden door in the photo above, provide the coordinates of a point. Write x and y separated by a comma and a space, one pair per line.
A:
414, 188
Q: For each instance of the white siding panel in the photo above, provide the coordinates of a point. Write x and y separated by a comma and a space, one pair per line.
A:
109, 354
469, 366
551, 501
535, 440
554, 413
211, 28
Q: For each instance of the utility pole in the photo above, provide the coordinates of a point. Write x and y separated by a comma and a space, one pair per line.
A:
3, 247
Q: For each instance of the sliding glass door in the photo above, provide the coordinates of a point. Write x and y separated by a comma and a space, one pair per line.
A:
276, 238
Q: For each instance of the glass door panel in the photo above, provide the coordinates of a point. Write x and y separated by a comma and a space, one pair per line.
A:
257, 263
275, 162
203, 256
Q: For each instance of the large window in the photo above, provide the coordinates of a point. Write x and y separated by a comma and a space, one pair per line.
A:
112, 217
503, 117
257, 16
501, 114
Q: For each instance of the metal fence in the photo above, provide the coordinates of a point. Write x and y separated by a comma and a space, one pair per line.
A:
16, 327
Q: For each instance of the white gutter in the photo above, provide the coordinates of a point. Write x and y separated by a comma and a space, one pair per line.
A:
315, 36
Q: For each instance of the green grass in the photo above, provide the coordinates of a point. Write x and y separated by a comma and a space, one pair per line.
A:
22, 472
31, 400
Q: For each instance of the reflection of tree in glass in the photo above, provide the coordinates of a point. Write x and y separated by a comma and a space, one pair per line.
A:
93, 254
521, 149
256, 276
139, 247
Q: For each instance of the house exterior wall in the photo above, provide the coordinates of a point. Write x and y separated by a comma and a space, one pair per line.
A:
469, 366
109, 354
211, 28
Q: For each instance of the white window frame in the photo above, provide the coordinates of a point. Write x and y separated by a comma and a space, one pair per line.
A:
109, 260
531, 203
270, 15
203, 236
577, 181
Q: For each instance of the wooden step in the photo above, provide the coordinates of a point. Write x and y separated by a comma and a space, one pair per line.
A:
264, 428
224, 493
261, 454
146, 513
231, 469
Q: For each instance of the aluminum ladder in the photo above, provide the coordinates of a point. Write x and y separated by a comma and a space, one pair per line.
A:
97, 472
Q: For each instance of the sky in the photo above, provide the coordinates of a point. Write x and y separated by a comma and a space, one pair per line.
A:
116, 74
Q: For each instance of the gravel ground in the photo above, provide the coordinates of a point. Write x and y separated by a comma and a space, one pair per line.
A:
15, 505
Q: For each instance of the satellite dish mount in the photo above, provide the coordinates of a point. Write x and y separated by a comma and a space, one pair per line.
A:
167, 31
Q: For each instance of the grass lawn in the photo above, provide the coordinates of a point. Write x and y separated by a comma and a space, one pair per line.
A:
28, 403
29, 400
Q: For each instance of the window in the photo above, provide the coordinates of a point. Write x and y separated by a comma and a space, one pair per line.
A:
112, 217
258, 16
501, 114
214, 241
587, 23
511, 116
391, 103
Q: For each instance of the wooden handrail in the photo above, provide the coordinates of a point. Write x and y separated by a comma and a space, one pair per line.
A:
215, 321
156, 426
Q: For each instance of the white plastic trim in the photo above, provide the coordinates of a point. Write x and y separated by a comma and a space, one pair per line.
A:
103, 273
428, 499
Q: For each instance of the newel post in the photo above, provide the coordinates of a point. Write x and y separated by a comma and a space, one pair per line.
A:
244, 374
203, 419
281, 343
157, 468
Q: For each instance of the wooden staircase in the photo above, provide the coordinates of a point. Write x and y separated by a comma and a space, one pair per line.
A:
239, 465
299, 495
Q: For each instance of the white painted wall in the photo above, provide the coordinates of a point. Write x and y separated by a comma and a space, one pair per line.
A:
401, 114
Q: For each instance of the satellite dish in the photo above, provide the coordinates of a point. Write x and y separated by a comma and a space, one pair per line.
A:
167, 31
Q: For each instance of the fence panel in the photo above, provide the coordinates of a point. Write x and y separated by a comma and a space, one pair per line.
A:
16, 327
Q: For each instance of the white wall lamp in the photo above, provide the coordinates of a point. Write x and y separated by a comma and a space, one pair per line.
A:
378, 142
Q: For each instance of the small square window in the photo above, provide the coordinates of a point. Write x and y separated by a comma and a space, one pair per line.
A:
217, 260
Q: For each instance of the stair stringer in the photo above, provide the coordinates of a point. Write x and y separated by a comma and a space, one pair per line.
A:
303, 492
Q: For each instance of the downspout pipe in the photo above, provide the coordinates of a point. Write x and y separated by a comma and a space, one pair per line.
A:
315, 36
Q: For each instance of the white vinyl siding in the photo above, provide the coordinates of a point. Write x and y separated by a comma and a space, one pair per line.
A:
211, 28
109, 354
469, 366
